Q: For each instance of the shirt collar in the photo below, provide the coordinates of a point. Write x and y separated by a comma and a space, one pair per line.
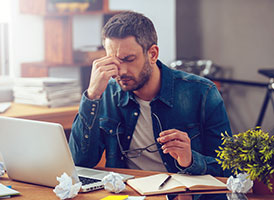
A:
167, 85
166, 91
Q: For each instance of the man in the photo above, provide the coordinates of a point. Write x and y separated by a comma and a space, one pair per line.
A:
143, 114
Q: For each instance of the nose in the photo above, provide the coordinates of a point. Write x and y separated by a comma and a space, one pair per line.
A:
122, 69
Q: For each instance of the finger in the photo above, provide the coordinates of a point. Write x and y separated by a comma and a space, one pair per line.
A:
107, 60
176, 144
101, 72
107, 67
105, 75
177, 150
167, 132
182, 154
173, 135
103, 58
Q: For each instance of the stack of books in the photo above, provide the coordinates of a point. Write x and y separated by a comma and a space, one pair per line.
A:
47, 91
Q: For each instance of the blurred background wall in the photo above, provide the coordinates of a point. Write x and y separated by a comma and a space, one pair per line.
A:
237, 35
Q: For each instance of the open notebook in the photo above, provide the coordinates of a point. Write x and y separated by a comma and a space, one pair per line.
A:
178, 183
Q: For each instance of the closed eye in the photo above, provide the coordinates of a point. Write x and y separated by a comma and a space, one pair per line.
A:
128, 59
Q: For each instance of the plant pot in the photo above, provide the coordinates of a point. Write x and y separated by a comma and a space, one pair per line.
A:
260, 188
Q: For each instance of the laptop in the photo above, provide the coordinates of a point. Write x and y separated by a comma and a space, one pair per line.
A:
37, 152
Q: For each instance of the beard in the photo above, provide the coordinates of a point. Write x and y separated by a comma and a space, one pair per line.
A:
138, 82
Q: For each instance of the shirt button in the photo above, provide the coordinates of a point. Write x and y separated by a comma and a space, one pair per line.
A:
128, 137
92, 113
136, 114
93, 109
110, 131
93, 105
86, 136
122, 158
165, 163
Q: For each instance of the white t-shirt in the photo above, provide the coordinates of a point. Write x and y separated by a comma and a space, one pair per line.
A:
142, 137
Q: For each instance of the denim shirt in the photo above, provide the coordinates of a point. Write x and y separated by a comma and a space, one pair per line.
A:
185, 102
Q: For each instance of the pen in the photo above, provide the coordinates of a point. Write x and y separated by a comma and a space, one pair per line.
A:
165, 181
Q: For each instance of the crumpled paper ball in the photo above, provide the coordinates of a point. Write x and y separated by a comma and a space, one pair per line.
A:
113, 182
66, 189
2, 169
240, 184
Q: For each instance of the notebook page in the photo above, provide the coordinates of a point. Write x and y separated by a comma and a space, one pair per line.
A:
150, 184
192, 180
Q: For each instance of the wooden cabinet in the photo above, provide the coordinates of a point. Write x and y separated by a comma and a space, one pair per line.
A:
58, 34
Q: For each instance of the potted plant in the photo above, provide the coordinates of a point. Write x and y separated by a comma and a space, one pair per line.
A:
251, 152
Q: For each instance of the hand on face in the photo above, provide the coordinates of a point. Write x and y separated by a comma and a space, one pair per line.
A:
102, 70
177, 144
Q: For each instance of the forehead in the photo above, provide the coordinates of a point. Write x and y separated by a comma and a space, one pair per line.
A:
122, 47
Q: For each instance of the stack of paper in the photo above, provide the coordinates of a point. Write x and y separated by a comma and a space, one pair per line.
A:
47, 91
6, 84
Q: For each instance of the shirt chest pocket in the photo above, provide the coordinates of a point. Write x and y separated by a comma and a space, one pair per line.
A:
113, 131
111, 127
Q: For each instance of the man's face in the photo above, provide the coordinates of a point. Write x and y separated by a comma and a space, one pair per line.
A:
134, 70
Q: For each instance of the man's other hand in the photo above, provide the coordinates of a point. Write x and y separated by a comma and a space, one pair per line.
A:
178, 145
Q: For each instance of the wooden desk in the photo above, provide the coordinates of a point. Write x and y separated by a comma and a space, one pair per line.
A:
62, 115
34, 192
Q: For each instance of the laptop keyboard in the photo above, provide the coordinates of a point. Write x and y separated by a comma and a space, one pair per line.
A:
86, 181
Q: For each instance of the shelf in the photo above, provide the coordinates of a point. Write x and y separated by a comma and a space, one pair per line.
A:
98, 12
81, 59
46, 8
41, 69
58, 32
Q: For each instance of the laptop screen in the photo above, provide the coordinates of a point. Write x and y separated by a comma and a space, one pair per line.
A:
35, 152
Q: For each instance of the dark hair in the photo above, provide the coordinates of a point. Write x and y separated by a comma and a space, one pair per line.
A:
130, 23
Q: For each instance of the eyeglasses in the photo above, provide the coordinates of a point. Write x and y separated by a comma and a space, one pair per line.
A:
135, 153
